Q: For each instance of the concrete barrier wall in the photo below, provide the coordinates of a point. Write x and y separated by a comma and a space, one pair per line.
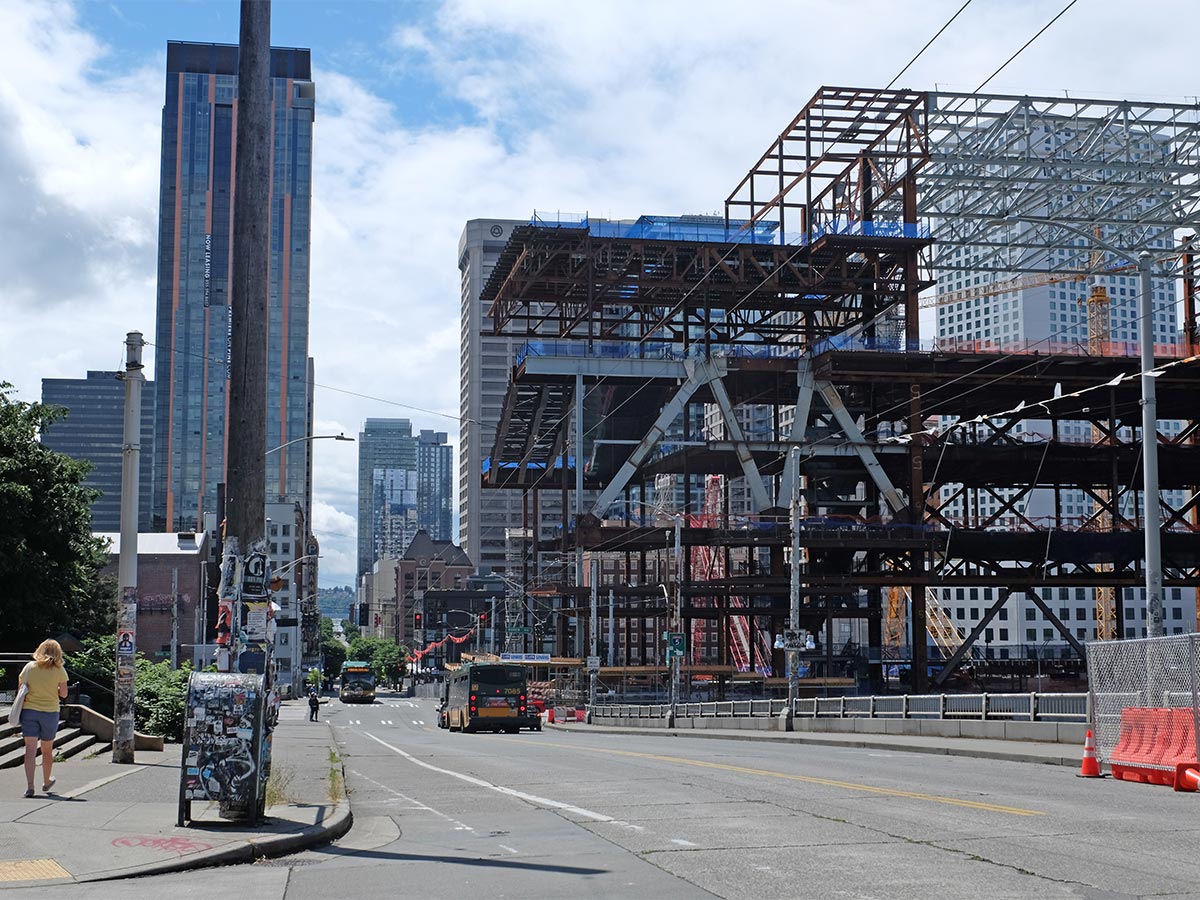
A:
1050, 732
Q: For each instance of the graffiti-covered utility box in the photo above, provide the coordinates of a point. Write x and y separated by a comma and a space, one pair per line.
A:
225, 745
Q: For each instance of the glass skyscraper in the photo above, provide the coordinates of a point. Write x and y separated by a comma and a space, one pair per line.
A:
404, 485
194, 268
94, 430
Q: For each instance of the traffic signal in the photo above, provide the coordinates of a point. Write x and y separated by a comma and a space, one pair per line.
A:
416, 620
483, 618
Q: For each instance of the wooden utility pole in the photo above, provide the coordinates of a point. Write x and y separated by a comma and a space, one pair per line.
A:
247, 424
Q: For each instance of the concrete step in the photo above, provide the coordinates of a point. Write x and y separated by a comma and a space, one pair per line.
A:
67, 742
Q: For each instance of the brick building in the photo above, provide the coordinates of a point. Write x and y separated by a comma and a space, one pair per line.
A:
166, 561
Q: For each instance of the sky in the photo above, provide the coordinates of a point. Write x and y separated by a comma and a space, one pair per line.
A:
433, 113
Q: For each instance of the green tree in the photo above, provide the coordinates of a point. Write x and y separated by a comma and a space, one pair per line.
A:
350, 631
334, 652
386, 658
49, 562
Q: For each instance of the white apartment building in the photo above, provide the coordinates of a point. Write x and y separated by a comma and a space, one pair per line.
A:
1053, 318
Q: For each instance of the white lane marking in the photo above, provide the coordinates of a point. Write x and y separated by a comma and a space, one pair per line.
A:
416, 804
385, 721
682, 843
417, 722
508, 848
479, 782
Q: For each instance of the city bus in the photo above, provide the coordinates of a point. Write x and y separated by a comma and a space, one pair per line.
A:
489, 697
357, 683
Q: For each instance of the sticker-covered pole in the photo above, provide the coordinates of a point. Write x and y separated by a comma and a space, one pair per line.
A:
131, 451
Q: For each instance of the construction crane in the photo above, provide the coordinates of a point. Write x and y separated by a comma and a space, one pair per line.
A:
938, 623
1099, 335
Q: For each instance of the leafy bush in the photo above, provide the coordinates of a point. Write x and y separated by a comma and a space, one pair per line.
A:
160, 693
160, 698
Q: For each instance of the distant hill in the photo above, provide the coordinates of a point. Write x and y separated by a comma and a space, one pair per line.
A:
335, 602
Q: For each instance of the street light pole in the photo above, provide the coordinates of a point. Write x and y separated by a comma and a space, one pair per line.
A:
793, 652
310, 437
1152, 520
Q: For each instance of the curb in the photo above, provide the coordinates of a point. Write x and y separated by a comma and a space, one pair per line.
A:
250, 849
856, 744
247, 851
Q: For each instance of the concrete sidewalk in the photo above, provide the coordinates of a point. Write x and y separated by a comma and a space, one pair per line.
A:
1041, 752
107, 821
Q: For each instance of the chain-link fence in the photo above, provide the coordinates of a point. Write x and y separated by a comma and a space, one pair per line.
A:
1145, 699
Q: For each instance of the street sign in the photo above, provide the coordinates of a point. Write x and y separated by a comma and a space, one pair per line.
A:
593, 663
676, 642
793, 640
520, 629
525, 657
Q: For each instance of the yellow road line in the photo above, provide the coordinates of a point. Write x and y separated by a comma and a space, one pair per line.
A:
808, 779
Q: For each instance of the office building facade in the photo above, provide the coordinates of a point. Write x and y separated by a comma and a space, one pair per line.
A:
94, 430
194, 268
485, 518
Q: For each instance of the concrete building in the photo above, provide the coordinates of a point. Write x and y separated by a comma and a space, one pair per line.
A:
404, 486
94, 430
172, 591
484, 364
287, 549
194, 268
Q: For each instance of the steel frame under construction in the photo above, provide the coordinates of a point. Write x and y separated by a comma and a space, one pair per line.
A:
650, 345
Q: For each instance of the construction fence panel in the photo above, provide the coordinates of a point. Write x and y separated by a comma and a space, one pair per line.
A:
1146, 674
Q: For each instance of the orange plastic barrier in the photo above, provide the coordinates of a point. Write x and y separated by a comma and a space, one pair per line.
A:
1156, 746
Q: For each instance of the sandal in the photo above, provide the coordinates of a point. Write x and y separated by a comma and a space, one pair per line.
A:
28, 792
49, 784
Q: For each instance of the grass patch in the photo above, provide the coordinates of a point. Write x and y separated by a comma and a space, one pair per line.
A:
337, 787
278, 783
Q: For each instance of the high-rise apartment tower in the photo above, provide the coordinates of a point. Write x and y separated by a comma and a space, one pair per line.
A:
194, 266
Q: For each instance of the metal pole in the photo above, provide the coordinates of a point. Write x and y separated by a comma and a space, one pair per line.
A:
676, 661
1150, 501
793, 653
175, 618
593, 631
131, 452
492, 628
578, 497
612, 653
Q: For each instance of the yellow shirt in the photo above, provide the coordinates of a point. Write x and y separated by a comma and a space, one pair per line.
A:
43, 686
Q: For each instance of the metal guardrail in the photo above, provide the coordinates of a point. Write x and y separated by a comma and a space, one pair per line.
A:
1031, 707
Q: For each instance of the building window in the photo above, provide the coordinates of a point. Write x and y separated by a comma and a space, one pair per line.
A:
1004, 614
1004, 634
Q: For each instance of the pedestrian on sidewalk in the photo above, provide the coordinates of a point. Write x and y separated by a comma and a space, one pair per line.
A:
314, 704
47, 682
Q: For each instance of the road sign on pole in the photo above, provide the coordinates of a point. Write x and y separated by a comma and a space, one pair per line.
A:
593, 663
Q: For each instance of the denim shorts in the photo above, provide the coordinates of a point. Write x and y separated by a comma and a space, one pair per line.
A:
40, 725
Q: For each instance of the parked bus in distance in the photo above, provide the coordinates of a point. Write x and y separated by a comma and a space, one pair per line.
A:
489, 697
357, 682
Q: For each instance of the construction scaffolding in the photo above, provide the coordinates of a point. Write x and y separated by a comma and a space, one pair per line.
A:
793, 322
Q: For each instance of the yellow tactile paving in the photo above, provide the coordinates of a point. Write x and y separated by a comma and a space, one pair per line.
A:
31, 870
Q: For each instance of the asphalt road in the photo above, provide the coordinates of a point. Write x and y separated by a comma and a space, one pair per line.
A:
559, 813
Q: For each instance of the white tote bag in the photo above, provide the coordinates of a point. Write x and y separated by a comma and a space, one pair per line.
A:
14, 714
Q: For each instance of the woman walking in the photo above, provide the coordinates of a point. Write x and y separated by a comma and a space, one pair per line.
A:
47, 682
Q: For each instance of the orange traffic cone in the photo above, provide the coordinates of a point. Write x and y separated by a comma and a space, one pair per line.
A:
1091, 766
1187, 777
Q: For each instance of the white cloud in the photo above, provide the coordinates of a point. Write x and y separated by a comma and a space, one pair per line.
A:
617, 109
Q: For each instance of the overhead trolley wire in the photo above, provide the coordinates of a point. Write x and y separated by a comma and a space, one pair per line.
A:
949, 22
